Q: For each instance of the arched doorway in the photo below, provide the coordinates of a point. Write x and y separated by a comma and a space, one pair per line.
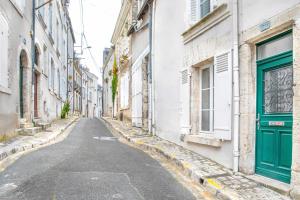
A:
23, 65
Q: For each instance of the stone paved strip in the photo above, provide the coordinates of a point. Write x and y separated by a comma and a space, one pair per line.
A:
217, 179
24, 143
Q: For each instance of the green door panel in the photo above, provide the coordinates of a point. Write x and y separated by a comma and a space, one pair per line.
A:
274, 117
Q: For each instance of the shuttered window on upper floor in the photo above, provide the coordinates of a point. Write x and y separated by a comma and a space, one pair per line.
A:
199, 9
3, 52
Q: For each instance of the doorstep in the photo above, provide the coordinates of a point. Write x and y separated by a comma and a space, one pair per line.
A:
278, 186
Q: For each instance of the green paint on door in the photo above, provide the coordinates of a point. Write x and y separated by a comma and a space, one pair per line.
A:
274, 117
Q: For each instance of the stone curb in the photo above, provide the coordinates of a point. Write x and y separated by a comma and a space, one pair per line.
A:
208, 182
36, 142
187, 170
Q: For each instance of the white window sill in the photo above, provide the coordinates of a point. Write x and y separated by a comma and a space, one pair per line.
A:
213, 18
5, 90
203, 139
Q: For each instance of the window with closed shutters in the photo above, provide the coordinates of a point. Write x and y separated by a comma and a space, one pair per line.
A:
199, 9
3, 52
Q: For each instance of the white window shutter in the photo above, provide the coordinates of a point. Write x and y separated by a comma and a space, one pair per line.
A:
194, 11
223, 96
3, 52
185, 102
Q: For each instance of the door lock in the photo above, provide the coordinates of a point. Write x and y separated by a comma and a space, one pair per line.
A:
258, 121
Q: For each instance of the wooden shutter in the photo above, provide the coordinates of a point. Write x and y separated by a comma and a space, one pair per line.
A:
3, 52
194, 11
185, 102
223, 96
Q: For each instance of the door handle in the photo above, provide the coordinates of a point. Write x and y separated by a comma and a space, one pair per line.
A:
258, 121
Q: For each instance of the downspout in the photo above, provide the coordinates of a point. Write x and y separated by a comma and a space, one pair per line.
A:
33, 55
150, 91
153, 125
81, 95
236, 87
68, 62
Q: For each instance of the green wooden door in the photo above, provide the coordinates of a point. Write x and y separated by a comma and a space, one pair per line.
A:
274, 117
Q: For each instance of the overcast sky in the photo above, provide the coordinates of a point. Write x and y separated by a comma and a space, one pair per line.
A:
99, 17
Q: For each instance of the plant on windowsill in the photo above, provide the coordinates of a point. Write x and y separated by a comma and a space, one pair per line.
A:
124, 59
114, 82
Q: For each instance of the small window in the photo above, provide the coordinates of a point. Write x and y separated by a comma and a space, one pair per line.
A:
204, 7
206, 99
275, 47
200, 8
4, 52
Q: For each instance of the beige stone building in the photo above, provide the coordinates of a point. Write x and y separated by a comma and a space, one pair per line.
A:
269, 90
122, 53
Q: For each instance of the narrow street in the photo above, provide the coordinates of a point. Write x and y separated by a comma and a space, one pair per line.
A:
89, 164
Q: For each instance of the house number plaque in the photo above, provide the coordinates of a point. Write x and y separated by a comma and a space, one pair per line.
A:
276, 123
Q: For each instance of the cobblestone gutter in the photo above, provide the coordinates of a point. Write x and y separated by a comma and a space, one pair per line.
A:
218, 180
27, 143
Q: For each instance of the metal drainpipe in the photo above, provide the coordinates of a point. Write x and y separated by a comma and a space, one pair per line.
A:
150, 71
81, 95
32, 56
68, 62
236, 87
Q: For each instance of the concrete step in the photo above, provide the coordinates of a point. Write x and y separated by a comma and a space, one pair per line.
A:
30, 131
43, 125
23, 121
26, 125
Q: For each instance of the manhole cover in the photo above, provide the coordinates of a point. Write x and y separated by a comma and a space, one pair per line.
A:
105, 138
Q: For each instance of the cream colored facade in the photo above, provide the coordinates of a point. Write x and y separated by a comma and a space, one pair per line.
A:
122, 53
281, 16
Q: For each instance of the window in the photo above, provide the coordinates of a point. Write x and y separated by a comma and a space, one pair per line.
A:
275, 47
52, 74
124, 93
45, 59
206, 99
4, 52
50, 19
140, 4
37, 56
42, 9
57, 34
21, 4
200, 8
58, 83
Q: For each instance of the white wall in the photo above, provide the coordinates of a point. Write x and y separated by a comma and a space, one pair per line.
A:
167, 61
253, 13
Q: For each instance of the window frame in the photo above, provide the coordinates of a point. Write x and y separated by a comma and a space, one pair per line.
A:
211, 98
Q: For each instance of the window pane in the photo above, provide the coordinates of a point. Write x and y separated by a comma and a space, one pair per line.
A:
205, 121
275, 47
205, 99
205, 78
205, 7
278, 90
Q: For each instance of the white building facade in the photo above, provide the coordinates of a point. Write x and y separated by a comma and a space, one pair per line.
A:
51, 60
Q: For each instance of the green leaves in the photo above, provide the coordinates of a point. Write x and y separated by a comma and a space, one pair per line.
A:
65, 110
114, 81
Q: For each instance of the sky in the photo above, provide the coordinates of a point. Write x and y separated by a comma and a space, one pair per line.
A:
99, 18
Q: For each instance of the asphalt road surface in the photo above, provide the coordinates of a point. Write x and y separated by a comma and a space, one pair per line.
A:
89, 165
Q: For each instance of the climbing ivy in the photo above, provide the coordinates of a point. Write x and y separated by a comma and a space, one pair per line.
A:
114, 81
